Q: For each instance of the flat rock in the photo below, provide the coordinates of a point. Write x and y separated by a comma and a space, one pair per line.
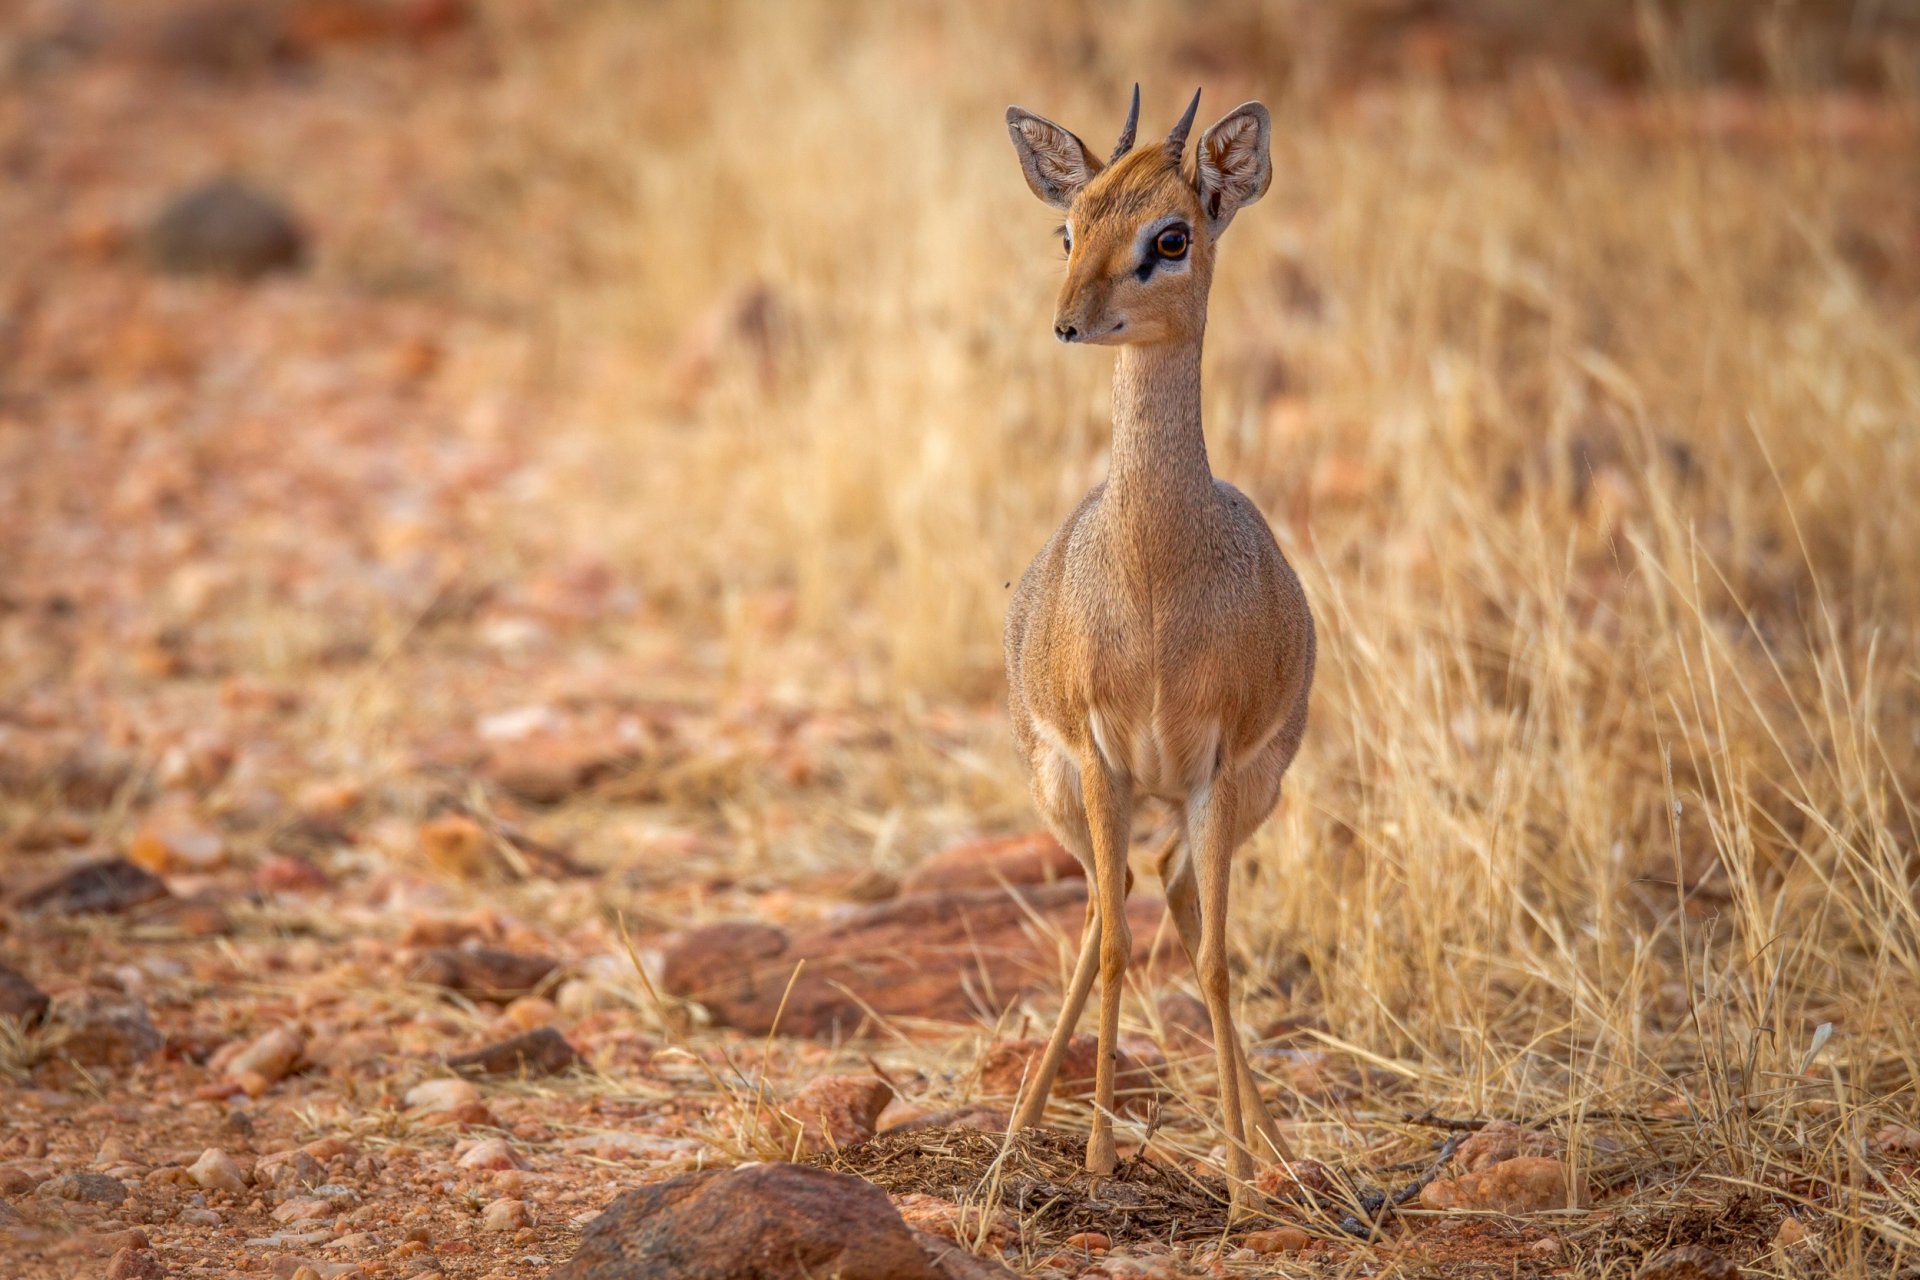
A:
20, 999
540, 1052
88, 1188
1524, 1184
988, 864
481, 973
763, 1222
225, 227
105, 886
101, 1030
1006, 1065
948, 957
1688, 1262
837, 1111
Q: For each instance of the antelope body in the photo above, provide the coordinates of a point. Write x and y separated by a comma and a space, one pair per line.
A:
1160, 645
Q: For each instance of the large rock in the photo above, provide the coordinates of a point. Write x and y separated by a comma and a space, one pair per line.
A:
20, 999
988, 864
225, 227
481, 973
542, 1051
763, 1222
105, 885
103, 1030
948, 956
837, 1111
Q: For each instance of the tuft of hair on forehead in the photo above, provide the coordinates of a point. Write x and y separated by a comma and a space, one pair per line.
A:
1135, 185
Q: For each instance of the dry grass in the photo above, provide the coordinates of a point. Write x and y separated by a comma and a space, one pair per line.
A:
1591, 428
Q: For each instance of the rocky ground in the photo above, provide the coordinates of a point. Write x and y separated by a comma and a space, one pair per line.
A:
387, 875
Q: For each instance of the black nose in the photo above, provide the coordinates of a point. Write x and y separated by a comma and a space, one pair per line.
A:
1065, 332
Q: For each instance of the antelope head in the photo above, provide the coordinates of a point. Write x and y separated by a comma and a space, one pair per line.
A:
1141, 228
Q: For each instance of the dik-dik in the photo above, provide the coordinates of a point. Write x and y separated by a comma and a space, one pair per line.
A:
1160, 645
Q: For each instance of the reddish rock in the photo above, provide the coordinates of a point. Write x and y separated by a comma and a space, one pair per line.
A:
285, 873
1088, 1242
1688, 1262
988, 864
272, 1056
1295, 1181
1277, 1240
934, 1216
1006, 1065
135, 1264
540, 1052
492, 1155
975, 1115
949, 957
481, 973
836, 1112
760, 1222
459, 846
1503, 1140
1524, 1184
20, 999
106, 886
101, 1030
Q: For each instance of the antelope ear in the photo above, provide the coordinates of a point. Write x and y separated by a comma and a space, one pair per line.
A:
1233, 168
1056, 163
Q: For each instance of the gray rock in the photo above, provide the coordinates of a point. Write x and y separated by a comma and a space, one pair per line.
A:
225, 227
92, 1188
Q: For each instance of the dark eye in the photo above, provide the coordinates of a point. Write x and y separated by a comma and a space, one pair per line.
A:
1171, 243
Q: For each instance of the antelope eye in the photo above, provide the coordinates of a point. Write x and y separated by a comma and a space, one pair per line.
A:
1171, 243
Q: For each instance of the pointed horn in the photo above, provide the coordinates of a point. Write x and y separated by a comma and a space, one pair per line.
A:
1177, 140
1126, 134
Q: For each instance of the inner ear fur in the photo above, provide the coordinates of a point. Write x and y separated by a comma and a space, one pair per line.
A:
1056, 163
1233, 166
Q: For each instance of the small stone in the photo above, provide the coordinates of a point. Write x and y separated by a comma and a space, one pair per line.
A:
1502, 1140
135, 1264
304, 1209
1294, 1181
1089, 1242
185, 849
493, 1153
20, 999
217, 1171
1688, 1262
1524, 1184
1278, 1240
84, 1188
505, 1215
15, 1181
272, 1055
543, 1051
289, 1169
1896, 1139
225, 227
837, 1111
481, 973
458, 846
285, 873
106, 886
1006, 1065
1792, 1231
447, 1094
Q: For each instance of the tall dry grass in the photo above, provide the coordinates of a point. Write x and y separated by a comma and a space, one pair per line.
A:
1591, 422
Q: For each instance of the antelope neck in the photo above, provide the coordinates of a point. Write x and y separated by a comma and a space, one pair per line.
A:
1159, 450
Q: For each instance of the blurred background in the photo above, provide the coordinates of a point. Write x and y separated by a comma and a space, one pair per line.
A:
634, 413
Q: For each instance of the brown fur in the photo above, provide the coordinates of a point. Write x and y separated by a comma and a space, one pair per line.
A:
1160, 645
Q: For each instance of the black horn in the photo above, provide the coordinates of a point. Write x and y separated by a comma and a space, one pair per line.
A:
1177, 140
1126, 134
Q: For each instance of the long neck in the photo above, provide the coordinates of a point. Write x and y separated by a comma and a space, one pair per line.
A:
1159, 450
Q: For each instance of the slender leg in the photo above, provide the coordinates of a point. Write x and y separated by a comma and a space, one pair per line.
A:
1183, 899
1034, 1102
1210, 839
1109, 801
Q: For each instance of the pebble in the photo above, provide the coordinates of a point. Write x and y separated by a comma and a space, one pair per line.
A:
271, 1056
86, 1188
442, 1095
217, 1171
1089, 1242
192, 1216
505, 1215
135, 1264
493, 1153
289, 1169
1278, 1240
1792, 1232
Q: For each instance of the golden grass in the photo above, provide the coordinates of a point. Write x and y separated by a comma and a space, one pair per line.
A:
1593, 430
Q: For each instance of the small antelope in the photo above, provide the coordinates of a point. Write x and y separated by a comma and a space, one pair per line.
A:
1160, 645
